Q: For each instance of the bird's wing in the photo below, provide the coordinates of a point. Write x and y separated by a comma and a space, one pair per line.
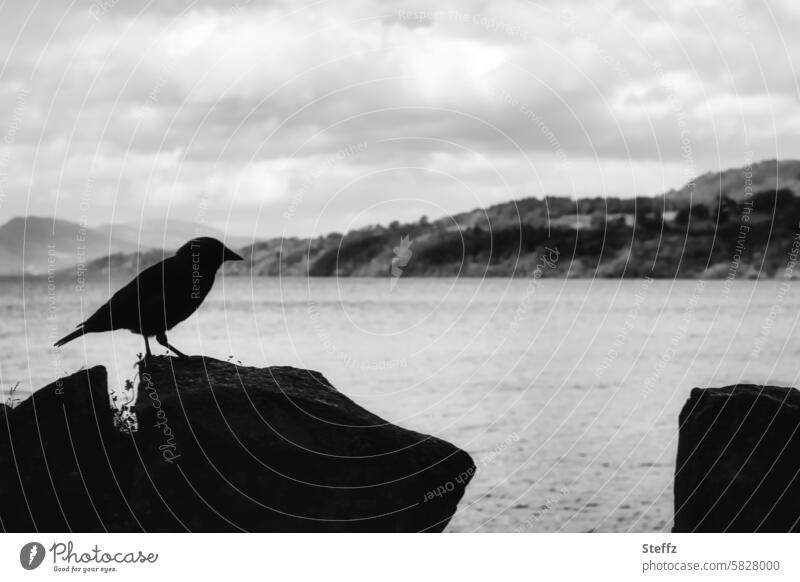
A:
140, 300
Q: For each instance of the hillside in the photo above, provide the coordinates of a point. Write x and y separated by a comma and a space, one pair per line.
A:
769, 175
729, 235
512, 240
29, 244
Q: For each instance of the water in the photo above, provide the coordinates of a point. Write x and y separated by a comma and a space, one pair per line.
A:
565, 392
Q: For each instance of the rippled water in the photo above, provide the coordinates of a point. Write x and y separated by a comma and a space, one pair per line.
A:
565, 392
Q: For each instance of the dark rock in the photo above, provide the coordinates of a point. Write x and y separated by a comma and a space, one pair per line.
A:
219, 448
228, 448
57, 454
738, 466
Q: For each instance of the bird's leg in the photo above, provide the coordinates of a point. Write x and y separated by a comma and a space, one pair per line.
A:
162, 339
147, 346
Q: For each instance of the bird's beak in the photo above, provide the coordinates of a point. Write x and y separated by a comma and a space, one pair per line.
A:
229, 255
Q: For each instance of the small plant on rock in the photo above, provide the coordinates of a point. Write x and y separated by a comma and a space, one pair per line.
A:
124, 417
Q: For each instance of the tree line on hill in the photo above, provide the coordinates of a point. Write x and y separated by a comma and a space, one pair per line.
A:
594, 237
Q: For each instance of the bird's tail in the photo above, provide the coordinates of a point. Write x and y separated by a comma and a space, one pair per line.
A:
70, 336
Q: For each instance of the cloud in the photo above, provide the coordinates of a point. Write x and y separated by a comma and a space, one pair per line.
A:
155, 106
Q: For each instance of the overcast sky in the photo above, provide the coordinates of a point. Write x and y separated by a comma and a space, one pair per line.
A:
273, 118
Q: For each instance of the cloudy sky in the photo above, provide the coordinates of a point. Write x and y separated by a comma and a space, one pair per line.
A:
272, 118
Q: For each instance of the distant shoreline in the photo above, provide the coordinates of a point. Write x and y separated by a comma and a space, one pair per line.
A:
522, 276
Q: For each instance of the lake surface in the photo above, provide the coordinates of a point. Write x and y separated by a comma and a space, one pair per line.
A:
566, 392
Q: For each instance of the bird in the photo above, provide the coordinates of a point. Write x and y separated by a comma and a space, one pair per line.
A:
162, 295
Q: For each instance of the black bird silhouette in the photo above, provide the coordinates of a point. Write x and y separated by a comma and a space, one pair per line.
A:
161, 296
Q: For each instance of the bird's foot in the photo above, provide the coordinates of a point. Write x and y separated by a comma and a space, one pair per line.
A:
162, 339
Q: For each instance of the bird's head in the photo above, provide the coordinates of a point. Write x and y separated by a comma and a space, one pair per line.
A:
208, 251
